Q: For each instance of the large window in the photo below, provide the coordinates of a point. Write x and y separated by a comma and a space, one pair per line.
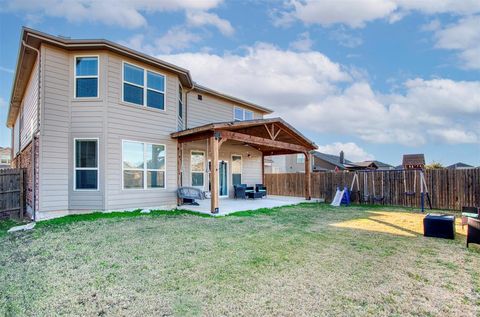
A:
86, 77
241, 114
143, 165
143, 87
180, 101
86, 164
197, 164
236, 169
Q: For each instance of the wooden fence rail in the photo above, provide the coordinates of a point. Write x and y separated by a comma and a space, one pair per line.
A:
449, 189
12, 193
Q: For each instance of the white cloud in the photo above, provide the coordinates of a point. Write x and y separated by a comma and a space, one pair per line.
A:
266, 74
6, 70
352, 13
455, 136
351, 151
464, 37
314, 93
345, 39
175, 39
202, 18
3, 102
124, 13
356, 14
302, 43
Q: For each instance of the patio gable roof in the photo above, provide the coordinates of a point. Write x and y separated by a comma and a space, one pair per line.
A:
272, 136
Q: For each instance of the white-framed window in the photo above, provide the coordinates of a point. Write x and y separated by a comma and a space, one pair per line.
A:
240, 114
143, 87
180, 101
300, 158
86, 76
236, 169
85, 154
197, 168
143, 165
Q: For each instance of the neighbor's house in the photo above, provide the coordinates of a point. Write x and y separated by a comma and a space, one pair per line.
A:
322, 162
460, 166
99, 126
5, 157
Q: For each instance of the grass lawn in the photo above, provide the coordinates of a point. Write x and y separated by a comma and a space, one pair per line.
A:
306, 260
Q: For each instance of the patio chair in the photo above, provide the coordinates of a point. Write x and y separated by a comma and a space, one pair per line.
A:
189, 194
239, 191
242, 191
469, 212
260, 188
473, 231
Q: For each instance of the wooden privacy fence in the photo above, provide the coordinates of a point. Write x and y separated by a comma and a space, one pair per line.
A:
12, 193
449, 189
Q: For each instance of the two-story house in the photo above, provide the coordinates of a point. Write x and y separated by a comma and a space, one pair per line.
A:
99, 126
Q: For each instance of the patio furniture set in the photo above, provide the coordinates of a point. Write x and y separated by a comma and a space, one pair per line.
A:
443, 226
243, 191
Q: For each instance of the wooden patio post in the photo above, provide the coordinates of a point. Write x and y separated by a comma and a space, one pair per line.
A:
214, 145
308, 179
263, 168
179, 169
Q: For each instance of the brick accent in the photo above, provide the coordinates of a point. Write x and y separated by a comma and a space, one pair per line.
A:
24, 160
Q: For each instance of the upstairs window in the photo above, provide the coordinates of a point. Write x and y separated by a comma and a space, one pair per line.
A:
86, 77
241, 114
86, 164
143, 87
180, 101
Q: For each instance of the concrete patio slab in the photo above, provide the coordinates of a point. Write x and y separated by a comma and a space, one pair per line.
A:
230, 205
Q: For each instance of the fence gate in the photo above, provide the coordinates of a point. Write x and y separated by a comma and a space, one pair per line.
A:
12, 193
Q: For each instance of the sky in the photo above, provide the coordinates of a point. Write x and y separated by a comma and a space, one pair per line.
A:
374, 78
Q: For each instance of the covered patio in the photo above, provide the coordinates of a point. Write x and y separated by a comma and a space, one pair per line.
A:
264, 136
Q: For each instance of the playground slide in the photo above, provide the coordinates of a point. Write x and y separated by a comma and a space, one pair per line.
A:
338, 198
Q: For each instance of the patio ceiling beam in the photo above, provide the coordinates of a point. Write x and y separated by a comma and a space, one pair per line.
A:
230, 135
196, 137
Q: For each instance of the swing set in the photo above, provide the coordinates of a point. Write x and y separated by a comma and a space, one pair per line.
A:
369, 177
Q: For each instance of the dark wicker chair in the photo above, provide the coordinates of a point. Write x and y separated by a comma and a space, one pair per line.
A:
241, 191
473, 233
260, 188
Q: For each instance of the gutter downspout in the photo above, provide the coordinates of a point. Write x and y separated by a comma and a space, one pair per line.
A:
34, 134
186, 104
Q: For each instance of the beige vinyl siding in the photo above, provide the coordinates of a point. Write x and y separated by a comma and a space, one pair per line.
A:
137, 123
30, 108
211, 109
54, 140
251, 166
87, 122
16, 136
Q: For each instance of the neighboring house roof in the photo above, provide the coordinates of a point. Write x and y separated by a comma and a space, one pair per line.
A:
360, 165
459, 165
382, 165
413, 161
31, 40
332, 159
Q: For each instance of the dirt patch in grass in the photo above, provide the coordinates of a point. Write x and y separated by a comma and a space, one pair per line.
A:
296, 261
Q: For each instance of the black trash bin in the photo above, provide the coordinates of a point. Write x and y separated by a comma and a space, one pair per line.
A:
439, 226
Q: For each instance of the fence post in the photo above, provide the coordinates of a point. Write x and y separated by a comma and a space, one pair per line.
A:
22, 195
